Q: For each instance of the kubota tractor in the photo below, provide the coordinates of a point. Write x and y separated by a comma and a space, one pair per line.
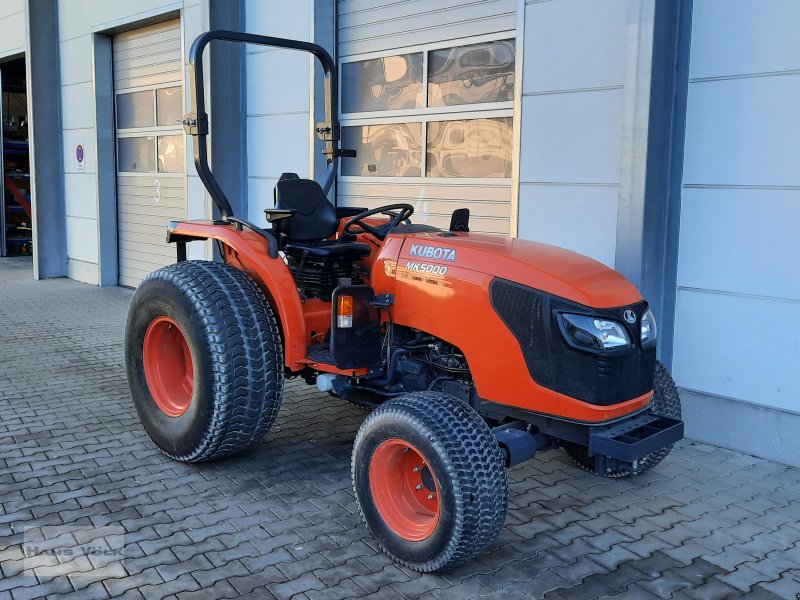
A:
475, 351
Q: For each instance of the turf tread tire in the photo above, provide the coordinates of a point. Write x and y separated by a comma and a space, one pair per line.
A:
232, 327
474, 463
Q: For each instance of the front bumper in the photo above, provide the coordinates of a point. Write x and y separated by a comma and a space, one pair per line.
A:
631, 440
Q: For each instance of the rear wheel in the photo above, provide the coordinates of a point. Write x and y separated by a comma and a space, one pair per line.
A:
666, 403
204, 360
430, 480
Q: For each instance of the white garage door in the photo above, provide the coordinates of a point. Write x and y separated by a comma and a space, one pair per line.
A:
427, 103
148, 88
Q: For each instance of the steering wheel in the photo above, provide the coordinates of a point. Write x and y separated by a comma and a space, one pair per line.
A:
397, 213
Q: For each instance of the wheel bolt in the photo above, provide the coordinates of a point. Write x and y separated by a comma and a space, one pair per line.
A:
417, 469
430, 496
419, 487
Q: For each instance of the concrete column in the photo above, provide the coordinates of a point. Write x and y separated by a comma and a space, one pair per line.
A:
45, 138
648, 219
228, 104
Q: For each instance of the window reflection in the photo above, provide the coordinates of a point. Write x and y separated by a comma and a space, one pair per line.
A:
389, 150
135, 109
171, 157
136, 154
471, 74
470, 148
388, 83
169, 106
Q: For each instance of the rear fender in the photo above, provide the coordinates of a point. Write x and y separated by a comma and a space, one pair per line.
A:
249, 252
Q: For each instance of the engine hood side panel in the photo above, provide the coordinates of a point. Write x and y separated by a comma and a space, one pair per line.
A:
441, 295
547, 268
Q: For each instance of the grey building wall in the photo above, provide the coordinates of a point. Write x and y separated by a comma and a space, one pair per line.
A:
737, 333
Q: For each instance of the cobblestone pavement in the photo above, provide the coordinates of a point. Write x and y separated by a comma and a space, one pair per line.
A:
281, 521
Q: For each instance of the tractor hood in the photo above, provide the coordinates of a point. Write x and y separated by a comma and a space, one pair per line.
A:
547, 268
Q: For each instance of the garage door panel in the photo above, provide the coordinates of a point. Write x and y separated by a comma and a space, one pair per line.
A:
142, 35
147, 58
161, 48
373, 28
162, 72
136, 204
154, 240
149, 251
142, 228
431, 191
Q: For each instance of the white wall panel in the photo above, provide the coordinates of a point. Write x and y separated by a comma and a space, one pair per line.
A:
580, 218
82, 239
743, 132
12, 25
71, 139
731, 37
572, 137
279, 18
76, 67
275, 145
260, 196
79, 195
11, 7
278, 82
740, 347
574, 44
743, 241
77, 106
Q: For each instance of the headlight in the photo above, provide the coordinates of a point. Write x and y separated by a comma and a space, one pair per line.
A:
649, 329
593, 333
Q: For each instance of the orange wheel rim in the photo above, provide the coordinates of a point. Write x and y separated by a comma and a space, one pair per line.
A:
404, 490
168, 366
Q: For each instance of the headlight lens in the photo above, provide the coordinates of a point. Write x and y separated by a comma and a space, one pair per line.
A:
649, 329
594, 333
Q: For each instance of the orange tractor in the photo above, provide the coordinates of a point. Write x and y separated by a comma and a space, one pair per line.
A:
475, 352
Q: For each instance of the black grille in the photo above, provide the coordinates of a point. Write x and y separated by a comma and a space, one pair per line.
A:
593, 377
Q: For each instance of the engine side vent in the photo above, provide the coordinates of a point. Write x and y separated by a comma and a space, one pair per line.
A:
523, 310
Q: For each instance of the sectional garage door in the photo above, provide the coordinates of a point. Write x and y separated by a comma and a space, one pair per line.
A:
148, 90
427, 103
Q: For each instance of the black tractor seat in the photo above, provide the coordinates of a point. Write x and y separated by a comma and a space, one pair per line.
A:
305, 221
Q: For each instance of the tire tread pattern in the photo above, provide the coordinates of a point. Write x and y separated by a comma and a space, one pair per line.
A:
474, 460
246, 354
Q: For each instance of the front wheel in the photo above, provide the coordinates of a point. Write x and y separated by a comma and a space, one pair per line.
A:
666, 403
204, 360
430, 480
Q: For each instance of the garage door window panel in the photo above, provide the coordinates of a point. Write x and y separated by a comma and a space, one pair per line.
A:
136, 154
135, 110
169, 106
384, 150
171, 154
386, 83
454, 101
469, 148
471, 74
